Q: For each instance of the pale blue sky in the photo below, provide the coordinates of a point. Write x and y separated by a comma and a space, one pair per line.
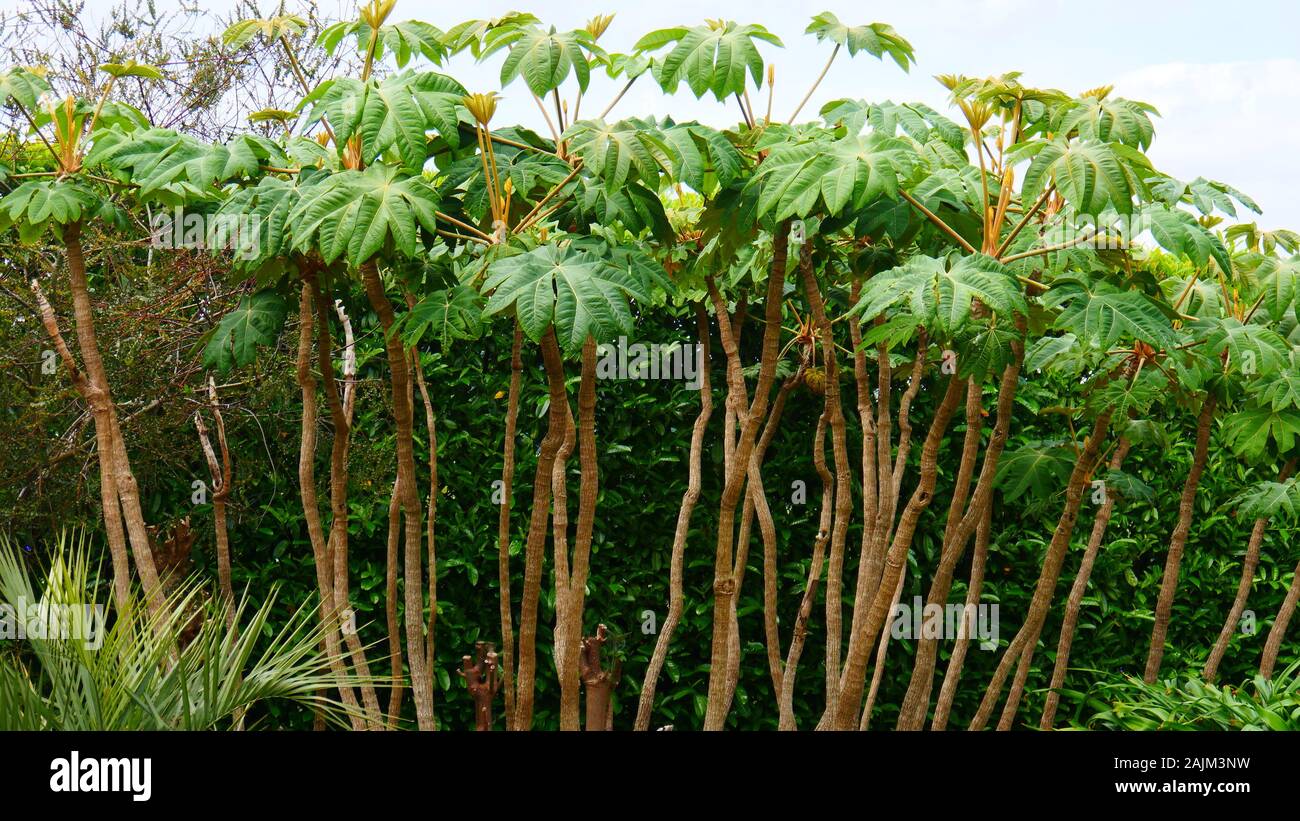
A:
1225, 76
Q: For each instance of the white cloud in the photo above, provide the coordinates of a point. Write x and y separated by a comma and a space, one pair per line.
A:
1232, 121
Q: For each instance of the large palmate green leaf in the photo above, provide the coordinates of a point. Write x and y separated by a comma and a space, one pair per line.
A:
578, 292
36, 204
618, 151
915, 120
1053, 353
1090, 175
841, 174
256, 321
1268, 499
544, 58
876, 39
1278, 285
634, 207
1178, 232
1100, 314
710, 58
1107, 119
171, 167
1127, 486
1281, 390
448, 314
1250, 349
1037, 468
262, 210
941, 292
1248, 432
395, 112
1207, 196
22, 86
404, 40
644, 149
355, 214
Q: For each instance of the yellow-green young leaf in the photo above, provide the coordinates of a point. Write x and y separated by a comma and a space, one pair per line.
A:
272, 114
273, 28
26, 88
132, 69
474, 34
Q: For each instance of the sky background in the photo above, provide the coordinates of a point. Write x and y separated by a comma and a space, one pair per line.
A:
1225, 76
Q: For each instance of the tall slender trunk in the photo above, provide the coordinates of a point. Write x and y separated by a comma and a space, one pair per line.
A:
1169, 583
114, 528
917, 700
724, 572
952, 676
431, 514
678, 552
911, 715
756, 507
391, 572
570, 681
843, 479
786, 720
431, 517
534, 547
1022, 646
222, 476
340, 444
571, 574
503, 525
882, 648
1278, 631
311, 508
99, 396
1080, 586
1248, 566
844, 716
866, 416
412, 509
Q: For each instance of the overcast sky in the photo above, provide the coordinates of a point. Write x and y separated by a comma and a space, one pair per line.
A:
1225, 76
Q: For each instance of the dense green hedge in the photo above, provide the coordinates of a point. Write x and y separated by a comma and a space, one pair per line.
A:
643, 431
